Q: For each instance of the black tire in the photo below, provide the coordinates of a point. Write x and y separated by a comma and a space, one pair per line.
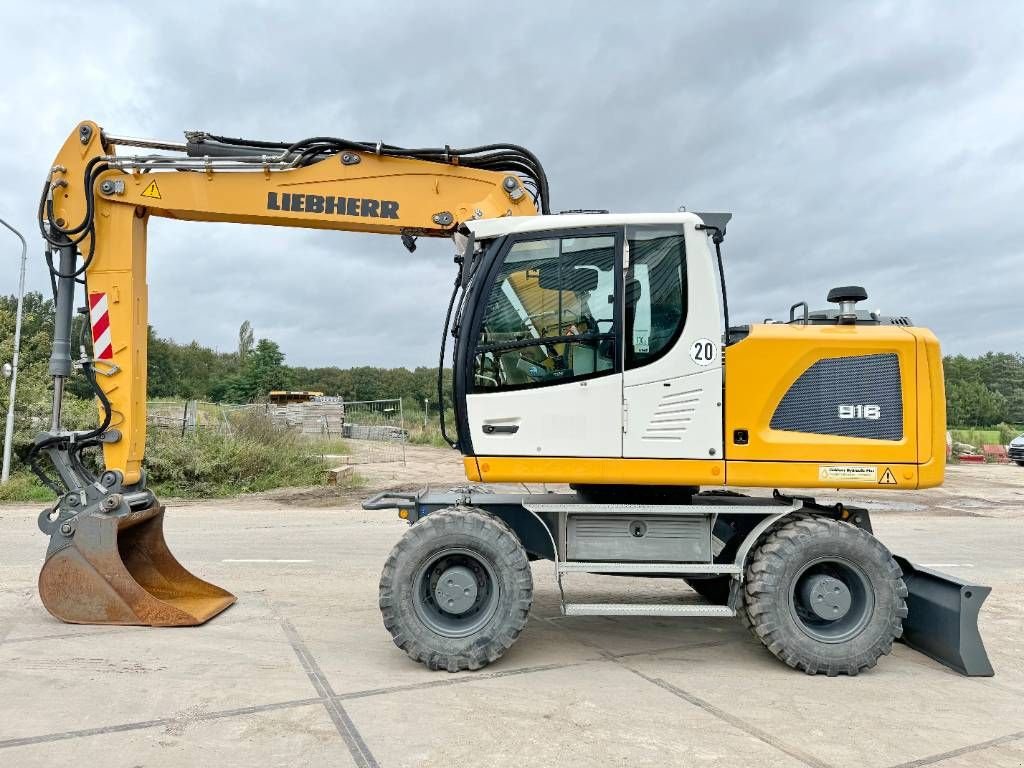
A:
462, 538
803, 558
1020, 463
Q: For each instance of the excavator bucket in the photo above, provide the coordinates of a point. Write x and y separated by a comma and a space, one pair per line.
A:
942, 619
118, 570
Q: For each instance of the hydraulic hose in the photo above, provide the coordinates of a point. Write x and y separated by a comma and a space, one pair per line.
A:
440, 365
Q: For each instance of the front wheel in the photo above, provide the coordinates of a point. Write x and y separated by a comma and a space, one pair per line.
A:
825, 596
456, 590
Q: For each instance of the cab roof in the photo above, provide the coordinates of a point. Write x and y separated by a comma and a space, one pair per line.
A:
485, 229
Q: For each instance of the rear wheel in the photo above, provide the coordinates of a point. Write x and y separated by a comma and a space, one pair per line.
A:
456, 590
825, 596
1020, 463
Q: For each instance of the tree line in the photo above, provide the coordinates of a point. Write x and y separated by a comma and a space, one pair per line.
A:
193, 371
981, 391
984, 391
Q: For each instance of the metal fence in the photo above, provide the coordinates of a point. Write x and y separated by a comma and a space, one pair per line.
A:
355, 432
375, 431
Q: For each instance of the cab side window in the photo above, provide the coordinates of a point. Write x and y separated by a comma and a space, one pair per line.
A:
549, 317
656, 292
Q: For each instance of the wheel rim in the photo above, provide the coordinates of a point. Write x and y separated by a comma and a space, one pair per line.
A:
831, 599
455, 592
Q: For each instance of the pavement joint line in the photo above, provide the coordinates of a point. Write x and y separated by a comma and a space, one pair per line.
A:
140, 725
932, 759
357, 747
757, 733
610, 656
270, 707
679, 647
70, 635
916, 657
736, 722
469, 678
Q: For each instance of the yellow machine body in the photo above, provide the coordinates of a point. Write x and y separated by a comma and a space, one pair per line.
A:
762, 368
758, 371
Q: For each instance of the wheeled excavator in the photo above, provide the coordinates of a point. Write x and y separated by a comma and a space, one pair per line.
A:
592, 350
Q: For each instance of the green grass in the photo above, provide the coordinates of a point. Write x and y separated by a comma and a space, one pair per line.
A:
24, 486
430, 434
1001, 434
255, 457
976, 437
329, 446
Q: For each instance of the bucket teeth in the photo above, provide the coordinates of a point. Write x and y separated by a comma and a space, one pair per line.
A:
118, 570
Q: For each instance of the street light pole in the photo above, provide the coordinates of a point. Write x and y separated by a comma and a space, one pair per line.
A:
9, 427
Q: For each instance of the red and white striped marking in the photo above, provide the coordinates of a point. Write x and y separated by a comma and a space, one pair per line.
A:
99, 316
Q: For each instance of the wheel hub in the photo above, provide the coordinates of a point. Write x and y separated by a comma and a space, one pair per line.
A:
456, 590
831, 599
826, 596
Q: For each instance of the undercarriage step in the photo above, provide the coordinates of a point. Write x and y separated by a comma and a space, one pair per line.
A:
646, 609
642, 568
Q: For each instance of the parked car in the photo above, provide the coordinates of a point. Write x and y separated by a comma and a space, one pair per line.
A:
1015, 450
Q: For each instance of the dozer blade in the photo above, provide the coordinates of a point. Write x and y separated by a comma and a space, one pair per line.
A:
942, 620
118, 570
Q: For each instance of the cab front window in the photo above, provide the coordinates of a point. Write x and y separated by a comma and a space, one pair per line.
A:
549, 316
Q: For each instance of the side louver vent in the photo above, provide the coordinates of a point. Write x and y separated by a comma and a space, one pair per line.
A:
673, 415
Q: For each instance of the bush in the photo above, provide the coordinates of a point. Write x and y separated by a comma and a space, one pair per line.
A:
976, 437
211, 464
1007, 432
24, 486
431, 433
255, 456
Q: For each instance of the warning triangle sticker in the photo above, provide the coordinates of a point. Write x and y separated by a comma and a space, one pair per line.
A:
152, 191
887, 478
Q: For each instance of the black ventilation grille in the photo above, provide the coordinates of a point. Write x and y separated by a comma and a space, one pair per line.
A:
858, 396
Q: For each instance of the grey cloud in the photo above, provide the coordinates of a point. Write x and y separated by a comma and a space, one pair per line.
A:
871, 143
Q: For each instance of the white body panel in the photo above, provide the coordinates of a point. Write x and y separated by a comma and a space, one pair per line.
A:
674, 404
582, 418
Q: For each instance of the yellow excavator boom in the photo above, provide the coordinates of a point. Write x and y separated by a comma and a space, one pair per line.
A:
349, 191
108, 561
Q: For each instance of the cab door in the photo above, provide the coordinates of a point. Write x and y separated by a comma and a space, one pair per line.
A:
672, 379
546, 375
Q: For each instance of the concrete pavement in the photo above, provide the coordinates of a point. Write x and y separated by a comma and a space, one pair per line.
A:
302, 673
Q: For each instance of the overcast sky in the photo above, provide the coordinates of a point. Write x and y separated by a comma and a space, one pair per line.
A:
874, 144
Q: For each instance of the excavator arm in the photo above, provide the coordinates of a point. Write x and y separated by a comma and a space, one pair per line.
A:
107, 561
316, 185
